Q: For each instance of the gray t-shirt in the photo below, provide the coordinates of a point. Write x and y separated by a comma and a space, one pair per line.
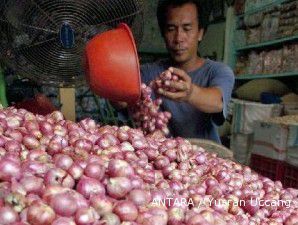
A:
187, 121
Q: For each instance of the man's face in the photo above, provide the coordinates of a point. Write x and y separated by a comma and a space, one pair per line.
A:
182, 32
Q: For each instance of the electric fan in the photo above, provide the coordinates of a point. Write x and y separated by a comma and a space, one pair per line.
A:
44, 40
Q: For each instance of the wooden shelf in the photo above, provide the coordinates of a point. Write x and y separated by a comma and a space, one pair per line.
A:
260, 76
262, 8
268, 43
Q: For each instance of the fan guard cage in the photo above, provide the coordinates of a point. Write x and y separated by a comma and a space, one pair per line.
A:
30, 32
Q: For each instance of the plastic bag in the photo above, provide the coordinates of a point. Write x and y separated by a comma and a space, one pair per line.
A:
255, 63
273, 62
290, 58
270, 27
253, 35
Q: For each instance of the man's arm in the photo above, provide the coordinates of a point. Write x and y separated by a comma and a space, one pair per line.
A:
208, 100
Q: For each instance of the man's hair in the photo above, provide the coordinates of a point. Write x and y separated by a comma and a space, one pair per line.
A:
203, 10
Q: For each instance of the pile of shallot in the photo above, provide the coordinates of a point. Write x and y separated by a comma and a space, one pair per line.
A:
163, 81
147, 116
146, 112
54, 171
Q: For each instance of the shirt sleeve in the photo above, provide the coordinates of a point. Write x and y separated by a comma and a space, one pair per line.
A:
223, 78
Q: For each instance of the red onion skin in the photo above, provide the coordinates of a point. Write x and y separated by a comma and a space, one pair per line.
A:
211, 182
151, 153
168, 170
30, 142
251, 206
171, 154
143, 216
8, 215
176, 175
88, 186
129, 223
50, 191
64, 204
118, 187
95, 170
12, 157
163, 184
9, 170
80, 200
23, 214
126, 210
64, 221
38, 155
63, 161
119, 168
148, 176
12, 146
84, 144
139, 197
139, 144
161, 213
95, 159
31, 125
176, 216
141, 154
161, 162
176, 186
35, 168
32, 184
14, 135
158, 195
57, 176
122, 135
85, 216
292, 220
137, 182
3, 124
215, 191
56, 116
76, 171
101, 204
39, 213
46, 128
110, 219
19, 223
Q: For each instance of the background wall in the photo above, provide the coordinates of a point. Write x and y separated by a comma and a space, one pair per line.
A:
152, 40
212, 44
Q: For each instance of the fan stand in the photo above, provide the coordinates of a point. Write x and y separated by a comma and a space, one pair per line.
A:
68, 102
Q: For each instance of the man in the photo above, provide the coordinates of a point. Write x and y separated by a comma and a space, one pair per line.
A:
199, 103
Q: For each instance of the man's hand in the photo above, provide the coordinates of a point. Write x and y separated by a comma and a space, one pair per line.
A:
181, 90
208, 100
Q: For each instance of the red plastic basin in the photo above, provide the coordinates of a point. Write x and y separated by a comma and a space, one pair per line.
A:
112, 65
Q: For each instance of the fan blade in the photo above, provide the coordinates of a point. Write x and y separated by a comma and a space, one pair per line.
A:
98, 15
35, 26
17, 19
18, 25
44, 13
51, 63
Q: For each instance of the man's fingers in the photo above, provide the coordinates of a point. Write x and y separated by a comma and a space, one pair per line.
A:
180, 73
179, 86
171, 95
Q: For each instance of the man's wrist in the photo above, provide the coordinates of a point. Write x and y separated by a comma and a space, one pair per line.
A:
194, 89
